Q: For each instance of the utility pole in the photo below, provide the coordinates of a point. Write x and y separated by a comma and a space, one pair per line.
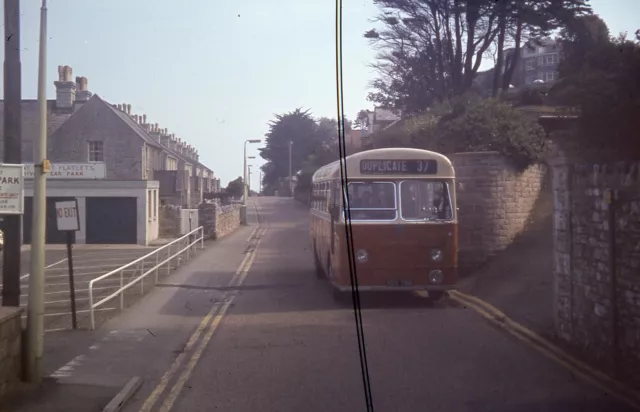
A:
35, 310
12, 148
290, 182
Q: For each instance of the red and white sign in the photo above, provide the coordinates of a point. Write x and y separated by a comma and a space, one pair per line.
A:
67, 215
75, 171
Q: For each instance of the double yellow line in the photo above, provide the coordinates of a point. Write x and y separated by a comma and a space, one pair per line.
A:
581, 369
208, 326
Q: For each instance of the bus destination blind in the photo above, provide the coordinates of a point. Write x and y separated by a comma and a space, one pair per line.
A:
399, 167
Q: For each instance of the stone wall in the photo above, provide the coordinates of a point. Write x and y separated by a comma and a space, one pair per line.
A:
169, 216
597, 291
10, 348
495, 202
218, 220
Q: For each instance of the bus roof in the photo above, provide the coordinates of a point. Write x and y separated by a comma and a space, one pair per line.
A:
389, 163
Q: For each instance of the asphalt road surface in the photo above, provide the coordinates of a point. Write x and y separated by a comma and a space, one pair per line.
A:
273, 339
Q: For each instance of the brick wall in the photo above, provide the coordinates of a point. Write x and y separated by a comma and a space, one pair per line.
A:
218, 220
169, 221
495, 202
590, 280
10, 348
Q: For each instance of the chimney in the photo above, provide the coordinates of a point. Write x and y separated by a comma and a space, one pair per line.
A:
164, 139
135, 118
128, 106
82, 92
144, 118
120, 107
65, 88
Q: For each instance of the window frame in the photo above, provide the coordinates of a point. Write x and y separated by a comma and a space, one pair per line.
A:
450, 201
351, 209
89, 151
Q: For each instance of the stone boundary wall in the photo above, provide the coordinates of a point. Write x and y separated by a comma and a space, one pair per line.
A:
597, 302
218, 220
10, 348
495, 203
169, 220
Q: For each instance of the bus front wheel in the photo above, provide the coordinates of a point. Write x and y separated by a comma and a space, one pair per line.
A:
435, 296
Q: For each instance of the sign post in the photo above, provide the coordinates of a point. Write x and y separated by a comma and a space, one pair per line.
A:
68, 220
11, 205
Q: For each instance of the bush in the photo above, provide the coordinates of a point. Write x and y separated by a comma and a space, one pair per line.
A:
474, 125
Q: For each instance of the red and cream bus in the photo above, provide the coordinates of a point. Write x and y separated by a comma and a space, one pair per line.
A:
401, 208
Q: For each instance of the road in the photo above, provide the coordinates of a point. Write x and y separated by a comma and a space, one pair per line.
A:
247, 326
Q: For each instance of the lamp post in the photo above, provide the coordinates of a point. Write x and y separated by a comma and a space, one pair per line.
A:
249, 180
243, 209
290, 183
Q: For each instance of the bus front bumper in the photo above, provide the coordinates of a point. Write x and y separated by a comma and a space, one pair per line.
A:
415, 288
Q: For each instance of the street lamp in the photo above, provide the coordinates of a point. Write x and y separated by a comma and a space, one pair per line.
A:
243, 211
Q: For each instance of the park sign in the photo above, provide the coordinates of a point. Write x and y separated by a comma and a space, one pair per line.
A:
71, 171
11, 189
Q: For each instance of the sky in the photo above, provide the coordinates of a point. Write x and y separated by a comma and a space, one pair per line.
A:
215, 73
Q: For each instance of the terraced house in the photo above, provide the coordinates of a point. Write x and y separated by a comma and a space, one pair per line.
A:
118, 166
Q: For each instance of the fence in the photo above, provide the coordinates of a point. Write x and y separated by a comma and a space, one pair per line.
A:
173, 250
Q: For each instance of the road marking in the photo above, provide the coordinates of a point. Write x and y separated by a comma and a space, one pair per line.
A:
577, 367
164, 381
186, 374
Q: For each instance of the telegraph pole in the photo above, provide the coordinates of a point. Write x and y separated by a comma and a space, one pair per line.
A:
35, 310
12, 148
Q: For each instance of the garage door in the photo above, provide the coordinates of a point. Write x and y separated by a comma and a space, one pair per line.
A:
52, 234
112, 220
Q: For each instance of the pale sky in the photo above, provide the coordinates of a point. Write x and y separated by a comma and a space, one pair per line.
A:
214, 73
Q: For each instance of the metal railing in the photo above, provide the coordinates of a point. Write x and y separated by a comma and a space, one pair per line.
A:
137, 266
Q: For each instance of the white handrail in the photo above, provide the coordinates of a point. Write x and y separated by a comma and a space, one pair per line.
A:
199, 238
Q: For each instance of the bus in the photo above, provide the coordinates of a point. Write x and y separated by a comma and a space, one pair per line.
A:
400, 214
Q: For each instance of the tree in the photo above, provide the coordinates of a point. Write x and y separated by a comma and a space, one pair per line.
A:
362, 120
235, 188
297, 127
314, 141
431, 50
599, 75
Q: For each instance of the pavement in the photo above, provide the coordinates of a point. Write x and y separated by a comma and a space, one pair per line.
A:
247, 326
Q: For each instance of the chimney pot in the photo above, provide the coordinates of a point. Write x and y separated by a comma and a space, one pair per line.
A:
128, 109
120, 107
135, 118
144, 118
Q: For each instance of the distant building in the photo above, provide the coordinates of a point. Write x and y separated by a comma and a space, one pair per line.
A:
537, 62
377, 120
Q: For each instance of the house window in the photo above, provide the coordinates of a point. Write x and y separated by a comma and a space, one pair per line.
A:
96, 151
530, 64
550, 76
550, 59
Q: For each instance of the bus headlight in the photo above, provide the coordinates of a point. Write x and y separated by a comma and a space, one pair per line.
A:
436, 276
436, 255
362, 255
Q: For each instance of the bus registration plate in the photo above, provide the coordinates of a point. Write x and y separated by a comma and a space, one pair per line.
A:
395, 283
